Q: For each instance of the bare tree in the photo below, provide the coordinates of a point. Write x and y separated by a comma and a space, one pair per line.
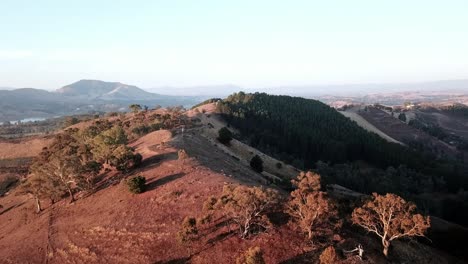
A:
390, 217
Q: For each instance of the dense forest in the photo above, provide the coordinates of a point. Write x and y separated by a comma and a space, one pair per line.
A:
306, 133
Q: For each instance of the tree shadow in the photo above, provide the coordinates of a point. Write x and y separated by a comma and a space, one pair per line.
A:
159, 182
278, 218
175, 261
12, 207
156, 159
308, 257
221, 237
103, 182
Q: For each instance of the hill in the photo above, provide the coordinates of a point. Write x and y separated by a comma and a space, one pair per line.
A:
311, 135
108, 224
100, 90
82, 97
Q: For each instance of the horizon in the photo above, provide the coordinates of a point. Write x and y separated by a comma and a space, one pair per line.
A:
258, 45
262, 89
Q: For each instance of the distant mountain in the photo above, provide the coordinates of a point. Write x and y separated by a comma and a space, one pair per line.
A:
6, 88
84, 96
30, 103
100, 90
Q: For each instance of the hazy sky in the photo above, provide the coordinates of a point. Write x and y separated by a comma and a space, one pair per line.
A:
47, 44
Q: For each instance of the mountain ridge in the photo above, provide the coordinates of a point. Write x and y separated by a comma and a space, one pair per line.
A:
80, 97
101, 90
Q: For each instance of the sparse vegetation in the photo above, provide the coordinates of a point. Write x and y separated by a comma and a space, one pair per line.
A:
253, 255
328, 256
136, 184
182, 154
135, 108
189, 230
209, 101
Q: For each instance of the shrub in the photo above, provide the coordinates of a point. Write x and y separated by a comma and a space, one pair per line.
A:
210, 203
136, 184
253, 255
256, 163
188, 230
182, 155
110, 114
224, 135
328, 256
156, 126
141, 130
402, 117
279, 165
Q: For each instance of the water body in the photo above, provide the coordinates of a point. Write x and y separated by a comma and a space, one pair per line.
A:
26, 120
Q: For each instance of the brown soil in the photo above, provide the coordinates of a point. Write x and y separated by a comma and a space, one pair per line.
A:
20, 148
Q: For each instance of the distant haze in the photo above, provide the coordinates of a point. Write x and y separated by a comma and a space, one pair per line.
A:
455, 86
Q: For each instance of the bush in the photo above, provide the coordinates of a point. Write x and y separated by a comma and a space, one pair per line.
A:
188, 230
141, 130
279, 165
182, 155
253, 255
210, 203
402, 117
224, 135
124, 159
111, 114
257, 164
328, 256
137, 184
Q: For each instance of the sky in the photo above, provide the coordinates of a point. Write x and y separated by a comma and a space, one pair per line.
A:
49, 44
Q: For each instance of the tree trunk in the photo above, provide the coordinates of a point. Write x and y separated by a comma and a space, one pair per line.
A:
72, 198
246, 231
386, 245
38, 205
